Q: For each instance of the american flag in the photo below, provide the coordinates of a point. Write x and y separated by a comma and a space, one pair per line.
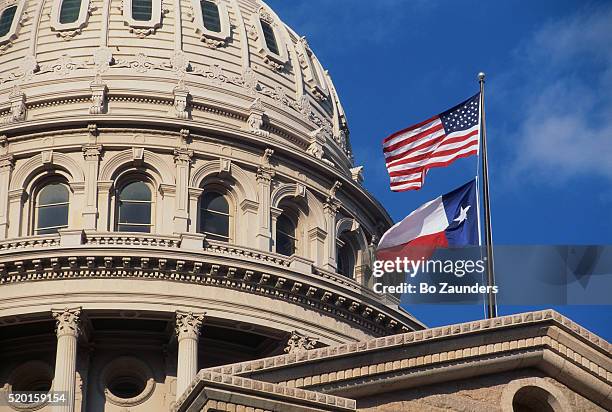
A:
435, 142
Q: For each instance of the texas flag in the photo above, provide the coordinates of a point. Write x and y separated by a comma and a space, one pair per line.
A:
449, 220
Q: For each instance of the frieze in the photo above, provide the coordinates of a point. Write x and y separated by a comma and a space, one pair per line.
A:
198, 272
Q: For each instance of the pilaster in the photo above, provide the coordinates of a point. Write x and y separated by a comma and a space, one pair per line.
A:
91, 154
7, 163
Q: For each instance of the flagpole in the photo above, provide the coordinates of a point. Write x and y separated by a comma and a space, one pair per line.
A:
491, 302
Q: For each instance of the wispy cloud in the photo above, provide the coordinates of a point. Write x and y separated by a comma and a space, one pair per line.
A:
564, 101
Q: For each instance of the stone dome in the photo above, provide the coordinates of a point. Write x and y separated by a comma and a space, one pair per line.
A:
172, 68
178, 194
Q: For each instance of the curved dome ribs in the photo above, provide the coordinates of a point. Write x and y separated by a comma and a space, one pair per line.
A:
179, 193
248, 63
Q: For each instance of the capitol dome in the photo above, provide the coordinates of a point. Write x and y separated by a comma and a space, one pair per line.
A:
179, 194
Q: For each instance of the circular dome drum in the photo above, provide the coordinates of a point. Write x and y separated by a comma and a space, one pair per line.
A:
180, 191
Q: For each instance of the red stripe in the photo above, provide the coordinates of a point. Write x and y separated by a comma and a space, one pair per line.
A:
432, 142
432, 165
417, 249
411, 139
454, 139
416, 126
431, 155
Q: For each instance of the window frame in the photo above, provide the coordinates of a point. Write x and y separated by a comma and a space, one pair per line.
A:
125, 182
294, 219
78, 24
153, 24
230, 213
341, 242
35, 204
12, 33
209, 37
275, 60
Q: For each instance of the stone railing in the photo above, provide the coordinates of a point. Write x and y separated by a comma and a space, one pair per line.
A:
132, 239
32, 242
223, 248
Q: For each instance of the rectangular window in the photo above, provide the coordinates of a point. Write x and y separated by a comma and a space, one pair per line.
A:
270, 38
69, 12
142, 10
210, 16
6, 20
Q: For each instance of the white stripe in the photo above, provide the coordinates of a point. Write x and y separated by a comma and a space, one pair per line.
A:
441, 144
419, 142
428, 219
398, 179
432, 159
406, 186
406, 135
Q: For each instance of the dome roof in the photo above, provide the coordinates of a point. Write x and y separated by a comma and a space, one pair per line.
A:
216, 63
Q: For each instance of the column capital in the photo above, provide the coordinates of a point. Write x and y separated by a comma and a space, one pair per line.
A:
67, 321
91, 151
188, 324
183, 156
7, 161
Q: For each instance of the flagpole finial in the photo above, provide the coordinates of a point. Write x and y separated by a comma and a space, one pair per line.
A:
481, 77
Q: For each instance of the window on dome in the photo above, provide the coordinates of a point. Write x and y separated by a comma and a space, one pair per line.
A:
69, 11
135, 206
210, 16
142, 10
214, 216
269, 36
6, 20
285, 235
346, 259
52, 208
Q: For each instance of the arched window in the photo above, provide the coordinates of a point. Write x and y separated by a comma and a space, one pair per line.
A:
51, 208
346, 259
214, 216
6, 20
285, 235
210, 16
269, 36
142, 10
135, 208
69, 11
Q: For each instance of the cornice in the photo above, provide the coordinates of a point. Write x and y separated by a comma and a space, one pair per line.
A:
111, 256
543, 339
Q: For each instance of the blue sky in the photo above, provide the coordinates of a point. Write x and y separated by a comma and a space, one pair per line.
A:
549, 108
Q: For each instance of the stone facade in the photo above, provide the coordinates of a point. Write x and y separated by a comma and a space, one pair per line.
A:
120, 311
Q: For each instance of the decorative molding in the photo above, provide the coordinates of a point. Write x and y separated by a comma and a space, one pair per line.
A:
67, 321
208, 37
276, 61
19, 19
256, 119
188, 324
182, 106
68, 31
143, 29
98, 97
17, 99
299, 342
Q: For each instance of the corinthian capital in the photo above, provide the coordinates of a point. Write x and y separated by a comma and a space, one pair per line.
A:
188, 324
67, 321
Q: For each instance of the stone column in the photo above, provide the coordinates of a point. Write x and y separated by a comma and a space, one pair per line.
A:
68, 329
182, 159
188, 326
7, 162
91, 153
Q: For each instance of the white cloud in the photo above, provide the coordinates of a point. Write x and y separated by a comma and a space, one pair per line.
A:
564, 101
